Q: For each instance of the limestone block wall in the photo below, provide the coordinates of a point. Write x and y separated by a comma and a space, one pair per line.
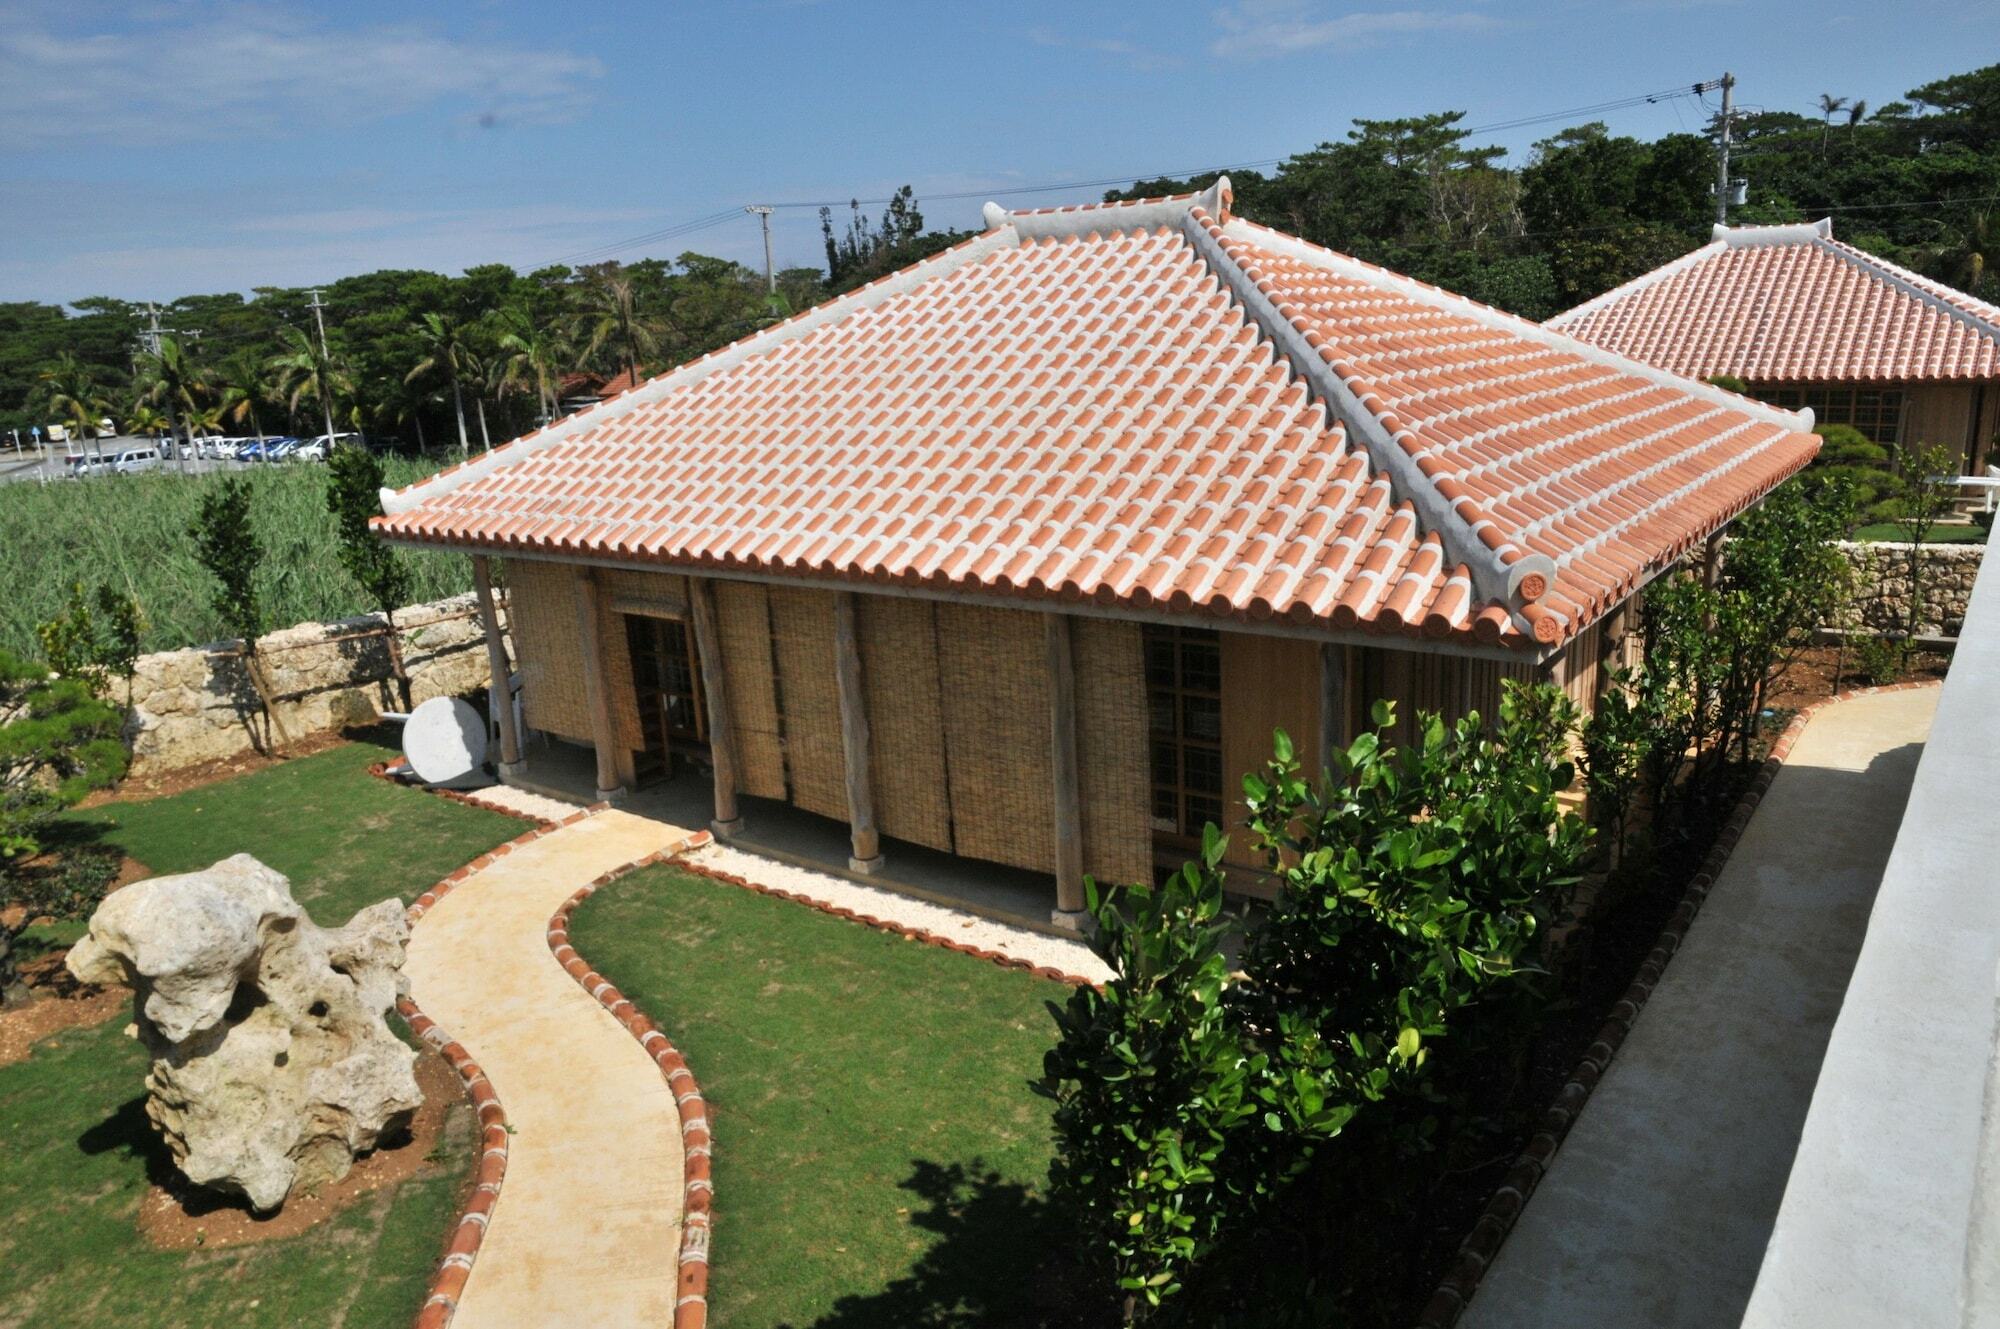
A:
1880, 599
197, 705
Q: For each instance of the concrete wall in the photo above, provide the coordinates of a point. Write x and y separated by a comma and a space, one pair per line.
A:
1889, 1215
1881, 593
195, 706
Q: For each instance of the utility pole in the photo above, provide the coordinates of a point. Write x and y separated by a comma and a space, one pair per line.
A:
770, 273
325, 366
149, 337
1722, 152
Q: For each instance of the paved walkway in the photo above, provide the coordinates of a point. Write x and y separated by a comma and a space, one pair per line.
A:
1658, 1207
587, 1229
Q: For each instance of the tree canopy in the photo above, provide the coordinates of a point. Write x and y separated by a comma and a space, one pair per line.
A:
1916, 180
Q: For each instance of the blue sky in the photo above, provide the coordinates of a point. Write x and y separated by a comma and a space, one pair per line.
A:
154, 149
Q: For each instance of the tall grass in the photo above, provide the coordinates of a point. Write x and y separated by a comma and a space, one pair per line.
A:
132, 531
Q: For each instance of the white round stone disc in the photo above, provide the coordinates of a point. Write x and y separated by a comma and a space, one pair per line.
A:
445, 740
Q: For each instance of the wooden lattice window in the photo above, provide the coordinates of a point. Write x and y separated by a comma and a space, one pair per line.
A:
1184, 708
1876, 412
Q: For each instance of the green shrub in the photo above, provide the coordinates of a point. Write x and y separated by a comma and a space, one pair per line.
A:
1411, 885
1880, 660
1152, 1082
58, 742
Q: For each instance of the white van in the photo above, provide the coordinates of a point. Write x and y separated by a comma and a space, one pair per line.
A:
133, 460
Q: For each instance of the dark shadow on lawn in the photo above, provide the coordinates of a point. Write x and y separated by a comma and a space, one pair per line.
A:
1001, 1259
131, 1131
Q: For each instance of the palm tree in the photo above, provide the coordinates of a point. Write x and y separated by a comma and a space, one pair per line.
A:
1856, 112
145, 419
530, 354
611, 312
481, 367
241, 382
173, 380
304, 370
76, 396
445, 348
1828, 104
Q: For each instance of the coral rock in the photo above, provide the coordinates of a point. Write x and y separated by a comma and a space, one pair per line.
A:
273, 1064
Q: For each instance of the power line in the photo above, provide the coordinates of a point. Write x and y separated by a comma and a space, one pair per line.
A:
599, 252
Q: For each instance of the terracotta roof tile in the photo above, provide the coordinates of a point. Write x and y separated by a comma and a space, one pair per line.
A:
1085, 404
1789, 304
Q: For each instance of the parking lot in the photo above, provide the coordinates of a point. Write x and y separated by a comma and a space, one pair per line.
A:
54, 463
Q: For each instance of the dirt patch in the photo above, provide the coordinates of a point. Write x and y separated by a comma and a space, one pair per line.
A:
1821, 671
212, 772
57, 1002
176, 1216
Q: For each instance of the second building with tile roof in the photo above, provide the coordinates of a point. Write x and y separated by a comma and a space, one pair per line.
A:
1808, 321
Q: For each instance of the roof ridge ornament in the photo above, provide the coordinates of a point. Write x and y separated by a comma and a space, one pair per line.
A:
1138, 214
1791, 233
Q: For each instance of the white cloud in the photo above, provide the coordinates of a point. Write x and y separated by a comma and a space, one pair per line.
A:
1257, 29
1131, 53
180, 75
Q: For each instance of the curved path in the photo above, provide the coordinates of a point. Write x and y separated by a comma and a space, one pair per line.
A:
1657, 1210
587, 1228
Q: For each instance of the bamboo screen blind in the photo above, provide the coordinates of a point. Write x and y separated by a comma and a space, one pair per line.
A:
959, 740
743, 623
542, 621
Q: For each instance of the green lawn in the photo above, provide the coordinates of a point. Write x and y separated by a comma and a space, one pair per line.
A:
345, 838
1898, 533
879, 1158
75, 1147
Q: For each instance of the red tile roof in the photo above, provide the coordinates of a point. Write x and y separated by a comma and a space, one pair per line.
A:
1790, 304
1157, 407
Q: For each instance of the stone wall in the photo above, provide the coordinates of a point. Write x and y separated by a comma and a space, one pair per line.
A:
195, 706
1881, 593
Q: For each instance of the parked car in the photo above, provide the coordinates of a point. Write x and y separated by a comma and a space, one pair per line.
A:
133, 460
92, 463
316, 449
267, 450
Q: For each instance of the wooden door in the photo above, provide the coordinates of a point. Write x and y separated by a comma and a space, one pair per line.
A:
667, 678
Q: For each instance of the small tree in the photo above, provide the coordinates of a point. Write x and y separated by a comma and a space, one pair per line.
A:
58, 742
226, 544
1783, 578
95, 647
353, 495
1924, 507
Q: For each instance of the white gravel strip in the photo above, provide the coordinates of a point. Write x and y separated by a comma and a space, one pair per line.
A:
1038, 948
525, 803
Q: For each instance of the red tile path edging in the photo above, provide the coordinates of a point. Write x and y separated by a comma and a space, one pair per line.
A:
380, 770
698, 1193
448, 1283
1476, 1252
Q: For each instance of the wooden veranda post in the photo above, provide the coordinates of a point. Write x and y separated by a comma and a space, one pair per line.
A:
501, 691
866, 841
603, 737
1332, 701
714, 688
1069, 910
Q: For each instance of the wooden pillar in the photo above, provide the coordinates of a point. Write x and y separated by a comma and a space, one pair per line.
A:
603, 736
1332, 701
1711, 560
1069, 910
714, 690
501, 690
1611, 644
865, 839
